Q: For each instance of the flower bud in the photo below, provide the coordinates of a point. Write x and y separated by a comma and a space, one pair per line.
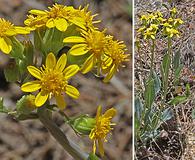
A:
11, 71
83, 124
26, 104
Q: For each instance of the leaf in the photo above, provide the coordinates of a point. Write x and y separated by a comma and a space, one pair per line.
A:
2, 107
176, 60
193, 114
177, 100
187, 92
165, 66
167, 114
138, 108
157, 82
92, 156
149, 94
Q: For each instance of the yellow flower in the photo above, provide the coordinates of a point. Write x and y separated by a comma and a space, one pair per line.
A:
149, 34
177, 22
173, 10
52, 80
113, 58
7, 30
87, 18
58, 16
93, 42
102, 127
170, 32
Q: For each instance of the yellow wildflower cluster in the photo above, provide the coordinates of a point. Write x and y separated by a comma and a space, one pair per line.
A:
49, 73
154, 22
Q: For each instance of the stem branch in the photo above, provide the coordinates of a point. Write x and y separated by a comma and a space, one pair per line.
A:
68, 145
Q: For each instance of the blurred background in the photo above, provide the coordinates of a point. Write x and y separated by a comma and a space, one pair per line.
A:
29, 140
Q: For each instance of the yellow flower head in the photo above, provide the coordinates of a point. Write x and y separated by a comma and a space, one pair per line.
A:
52, 80
149, 34
101, 129
173, 10
92, 42
7, 30
113, 58
87, 18
170, 32
58, 16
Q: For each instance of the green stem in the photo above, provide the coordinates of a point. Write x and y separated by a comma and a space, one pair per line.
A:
68, 145
167, 77
152, 57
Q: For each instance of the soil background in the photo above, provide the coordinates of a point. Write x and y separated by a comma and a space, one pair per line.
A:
29, 140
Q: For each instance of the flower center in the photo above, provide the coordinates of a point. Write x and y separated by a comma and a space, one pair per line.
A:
96, 42
53, 82
58, 11
4, 26
102, 128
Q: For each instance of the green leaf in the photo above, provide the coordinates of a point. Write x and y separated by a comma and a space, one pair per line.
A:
157, 82
11, 71
187, 92
2, 107
167, 114
165, 66
177, 100
149, 93
193, 114
138, 108
176, 60
92, 156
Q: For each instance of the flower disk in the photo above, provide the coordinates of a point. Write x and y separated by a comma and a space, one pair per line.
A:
102, 128
52, 80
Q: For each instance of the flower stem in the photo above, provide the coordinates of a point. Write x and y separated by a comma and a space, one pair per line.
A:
152, 57
68, 145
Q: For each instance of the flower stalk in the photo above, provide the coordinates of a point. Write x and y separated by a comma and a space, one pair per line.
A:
68, 145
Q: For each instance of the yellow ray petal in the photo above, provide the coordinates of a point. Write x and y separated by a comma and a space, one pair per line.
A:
60, 102
88, 65
74, 39
22, 30
50, 61
110, 113
101, 147
78, 49
61, 63
37, 12
11, 32
110, 74
41, 98
31, 86
34, 72
71, 71
61, 24
99, 111
5, 45
50, 23
72, 91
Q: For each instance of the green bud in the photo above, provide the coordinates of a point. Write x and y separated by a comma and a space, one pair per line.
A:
17, 50
38, 39
26, 104
27, 58
11, 71
83, 124
28, 52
